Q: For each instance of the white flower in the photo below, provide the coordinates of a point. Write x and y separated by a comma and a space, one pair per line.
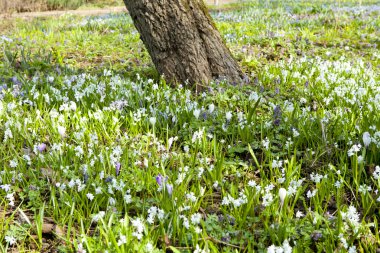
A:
265, 143
364, 189
11, 199
138, 224
282, 194
316, 178
338, 183
199, 250
366, 139
376, 173
351, 216
196, 113
360, 159
98, 190
73, 106
8, 134
5, 187
50, 79
10, 239
267, 199
228, 116
61, 131
276, 164
128, 198
149, 247
191, 196
80, 248
90, 196
310, 194
197, 230
185, 223
299, 214
272, 249
152, 120
286, 247
354, 149
13, 163
122, 240
197, 136
98, 216
196, 218
211, 108
352, 249
252, 183
111, 201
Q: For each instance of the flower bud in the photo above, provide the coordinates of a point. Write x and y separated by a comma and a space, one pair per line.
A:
366, 139
282, 194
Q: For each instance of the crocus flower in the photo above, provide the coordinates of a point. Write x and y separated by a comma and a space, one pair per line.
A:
62, 131
196, 113
159, 179
41, 147
169, 188
282, 194
366, 139
152, 120
117, 168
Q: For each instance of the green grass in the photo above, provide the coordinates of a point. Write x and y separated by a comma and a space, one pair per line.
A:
100, 154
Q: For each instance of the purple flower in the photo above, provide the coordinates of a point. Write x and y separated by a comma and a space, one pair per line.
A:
117, 167
159, 179
41, 147
169, 188
109, 179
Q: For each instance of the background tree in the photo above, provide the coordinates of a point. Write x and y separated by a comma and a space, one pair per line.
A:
183, 41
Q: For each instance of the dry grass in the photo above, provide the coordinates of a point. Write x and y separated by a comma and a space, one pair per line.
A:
10, 6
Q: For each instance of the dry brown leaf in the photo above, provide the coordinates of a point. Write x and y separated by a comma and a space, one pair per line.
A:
47, 228
59, 231
167, 240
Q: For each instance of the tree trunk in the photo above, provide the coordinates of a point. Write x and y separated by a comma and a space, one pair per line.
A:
183, 42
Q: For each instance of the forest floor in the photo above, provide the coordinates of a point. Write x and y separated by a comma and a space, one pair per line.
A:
85, 12
99, 153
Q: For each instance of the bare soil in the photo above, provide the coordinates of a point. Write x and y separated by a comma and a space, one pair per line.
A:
88, 12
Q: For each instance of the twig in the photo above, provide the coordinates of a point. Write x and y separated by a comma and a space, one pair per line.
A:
225, 243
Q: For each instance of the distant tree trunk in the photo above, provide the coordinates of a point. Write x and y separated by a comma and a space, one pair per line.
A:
183, 41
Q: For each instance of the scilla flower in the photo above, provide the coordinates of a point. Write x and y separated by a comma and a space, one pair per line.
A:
228, 116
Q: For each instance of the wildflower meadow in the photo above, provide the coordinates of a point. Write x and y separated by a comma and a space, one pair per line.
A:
99, 153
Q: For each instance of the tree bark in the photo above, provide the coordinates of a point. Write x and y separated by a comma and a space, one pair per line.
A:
183, 42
